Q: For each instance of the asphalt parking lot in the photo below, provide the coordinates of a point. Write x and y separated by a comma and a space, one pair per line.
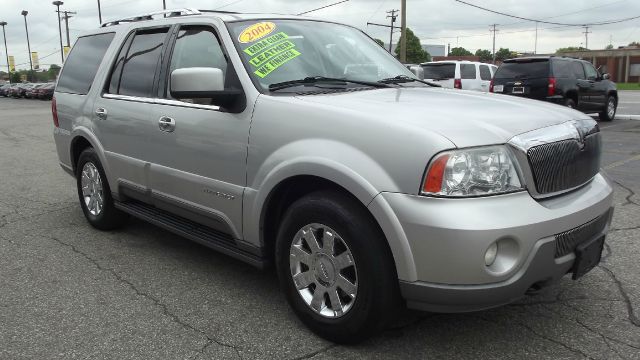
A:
69, 291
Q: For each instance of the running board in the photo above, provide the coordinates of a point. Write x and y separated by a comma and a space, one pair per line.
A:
191, 230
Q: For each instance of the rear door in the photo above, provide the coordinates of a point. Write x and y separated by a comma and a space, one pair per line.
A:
526, 77
442, 73
123, 114
485, 77
469, 77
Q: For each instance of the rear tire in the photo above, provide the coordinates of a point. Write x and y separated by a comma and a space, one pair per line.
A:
610, 109
570, 103
94, 193
343, 312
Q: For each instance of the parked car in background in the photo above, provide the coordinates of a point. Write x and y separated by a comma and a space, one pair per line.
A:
31, 93
46, 91
466, 75
14, 90
4, 89
565, 81
21, 89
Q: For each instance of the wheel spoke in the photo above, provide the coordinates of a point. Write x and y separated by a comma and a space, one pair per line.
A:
346, 286
91, 202
299, 255
328, 241
303, 280
336, 303
343, 260
311, 240
86, 191
318, 298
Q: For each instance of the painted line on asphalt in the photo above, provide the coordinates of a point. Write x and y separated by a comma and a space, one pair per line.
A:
622, 162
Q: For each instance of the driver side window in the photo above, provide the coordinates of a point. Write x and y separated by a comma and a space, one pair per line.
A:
591, 72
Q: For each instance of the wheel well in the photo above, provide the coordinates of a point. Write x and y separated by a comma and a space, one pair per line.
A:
77, 147
285, 194
573, 96
614, 93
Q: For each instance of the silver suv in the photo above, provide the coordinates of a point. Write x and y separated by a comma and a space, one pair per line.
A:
303, 144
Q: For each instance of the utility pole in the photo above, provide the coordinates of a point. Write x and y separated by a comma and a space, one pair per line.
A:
403, 37
586, 36
164, 4
26, 28
66, 24
494, 41
4, 35
535, 49
99, 13
393, 18
57, 4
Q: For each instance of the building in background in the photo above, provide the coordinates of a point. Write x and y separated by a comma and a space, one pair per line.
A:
623, 65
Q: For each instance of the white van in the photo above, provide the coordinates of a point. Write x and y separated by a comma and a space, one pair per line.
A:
467, 75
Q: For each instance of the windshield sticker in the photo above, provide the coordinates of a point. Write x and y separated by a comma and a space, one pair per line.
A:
256, 32
276, 62
266, 43
277, 49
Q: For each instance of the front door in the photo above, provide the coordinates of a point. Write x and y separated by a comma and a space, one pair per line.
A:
198, 168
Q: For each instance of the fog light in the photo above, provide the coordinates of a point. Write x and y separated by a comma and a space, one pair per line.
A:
490, 255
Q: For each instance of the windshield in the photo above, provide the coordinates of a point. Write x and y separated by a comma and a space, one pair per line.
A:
523, 70
439, 71
275, 51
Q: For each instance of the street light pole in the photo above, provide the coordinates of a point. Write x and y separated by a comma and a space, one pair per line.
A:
26, 28
57, 4
4, 35
99, 13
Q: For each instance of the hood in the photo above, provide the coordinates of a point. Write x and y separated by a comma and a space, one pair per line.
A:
466, 118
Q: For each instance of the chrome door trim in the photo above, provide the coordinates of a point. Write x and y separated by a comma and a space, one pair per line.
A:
158, 101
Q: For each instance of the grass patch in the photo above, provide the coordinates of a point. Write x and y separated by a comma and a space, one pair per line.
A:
628, 86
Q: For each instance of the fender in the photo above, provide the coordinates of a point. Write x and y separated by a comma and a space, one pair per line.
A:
87, 134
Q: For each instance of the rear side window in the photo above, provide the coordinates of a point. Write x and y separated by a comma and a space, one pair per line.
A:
439, 71
485, 72
468, 71
562, 69
577, 70
82, 65
135, 69
523, 70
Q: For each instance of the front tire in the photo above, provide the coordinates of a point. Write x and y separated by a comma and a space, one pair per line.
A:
94, 193
609, 112
335, 267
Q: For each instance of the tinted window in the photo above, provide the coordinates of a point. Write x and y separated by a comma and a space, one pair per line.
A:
439, 71
590, 71
139, 65
523, 70
468, 71
577, 70
82, 65
562, 69
485, 72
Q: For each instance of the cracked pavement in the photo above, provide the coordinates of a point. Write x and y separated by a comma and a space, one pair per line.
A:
70, 291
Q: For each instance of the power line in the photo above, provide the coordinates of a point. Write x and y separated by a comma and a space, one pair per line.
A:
228, 4
323, 7
548, 22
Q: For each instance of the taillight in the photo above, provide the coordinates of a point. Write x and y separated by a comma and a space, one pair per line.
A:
433, 180
552, 87
491, 86
457, 83
54, 112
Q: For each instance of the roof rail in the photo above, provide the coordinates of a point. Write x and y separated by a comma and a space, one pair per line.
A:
149, 16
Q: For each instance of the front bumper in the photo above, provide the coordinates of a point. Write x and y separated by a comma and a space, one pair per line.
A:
448, 238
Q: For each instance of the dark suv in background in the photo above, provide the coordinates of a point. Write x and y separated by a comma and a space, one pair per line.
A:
565, 81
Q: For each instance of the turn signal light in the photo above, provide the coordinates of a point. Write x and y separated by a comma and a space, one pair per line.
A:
433, 180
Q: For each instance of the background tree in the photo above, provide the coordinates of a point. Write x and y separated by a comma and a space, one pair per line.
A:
53, 71
635, 43
460, 51
570, 48
504, 54
415, 53
609, 47
484, 55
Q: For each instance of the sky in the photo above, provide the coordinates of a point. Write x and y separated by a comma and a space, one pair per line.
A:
439, 22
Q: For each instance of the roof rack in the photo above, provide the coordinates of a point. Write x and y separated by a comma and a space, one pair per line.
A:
149, 16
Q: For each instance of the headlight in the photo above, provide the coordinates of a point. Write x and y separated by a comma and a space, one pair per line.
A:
472, 172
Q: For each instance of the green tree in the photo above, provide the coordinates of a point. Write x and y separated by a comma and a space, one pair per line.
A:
415, 53
15, 77
484, 55
53, 71
460, 51
504, 54
380, 42
635, 43
570, 48
609, 47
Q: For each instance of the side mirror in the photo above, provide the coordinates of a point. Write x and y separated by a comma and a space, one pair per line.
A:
418, 71
202, 83
606, 76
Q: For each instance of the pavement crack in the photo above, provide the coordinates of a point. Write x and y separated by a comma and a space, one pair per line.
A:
157, 302
625, 229
315, 353
627, 300
629, 198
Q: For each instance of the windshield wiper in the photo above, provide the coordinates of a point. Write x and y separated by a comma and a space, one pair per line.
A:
400, 79
316, 80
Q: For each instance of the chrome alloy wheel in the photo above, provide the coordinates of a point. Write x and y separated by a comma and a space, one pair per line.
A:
323, 270
611, 108
92, 191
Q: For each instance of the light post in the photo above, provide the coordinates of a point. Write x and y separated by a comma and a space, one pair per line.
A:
4, 35
57, 4
99, 13
26, 28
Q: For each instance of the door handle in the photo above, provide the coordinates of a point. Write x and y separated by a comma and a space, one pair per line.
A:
166, 124
101, 113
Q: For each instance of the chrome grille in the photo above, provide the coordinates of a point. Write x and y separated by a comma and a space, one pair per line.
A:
567, 241
564, 165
